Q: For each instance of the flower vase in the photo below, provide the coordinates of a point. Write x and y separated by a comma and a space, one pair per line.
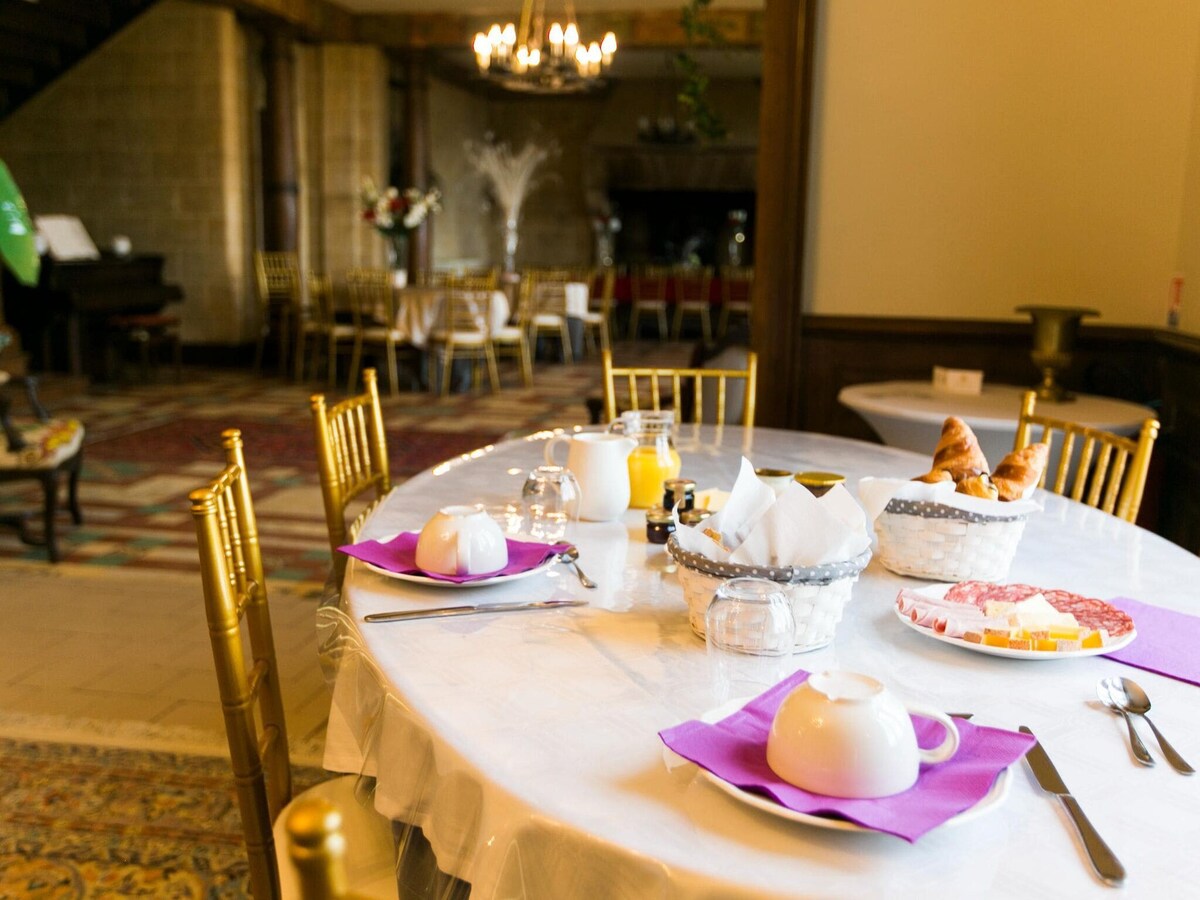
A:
398, 258
510, 244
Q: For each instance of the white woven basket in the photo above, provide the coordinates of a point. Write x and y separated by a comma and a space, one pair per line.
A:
818, 594
932, 540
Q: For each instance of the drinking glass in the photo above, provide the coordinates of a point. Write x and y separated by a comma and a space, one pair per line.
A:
509, 516
750, 635
551, 498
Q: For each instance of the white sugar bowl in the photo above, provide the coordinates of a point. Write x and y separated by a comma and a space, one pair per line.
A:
843, 734
461, 540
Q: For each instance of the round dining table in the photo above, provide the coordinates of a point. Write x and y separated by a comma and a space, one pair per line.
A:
525, 744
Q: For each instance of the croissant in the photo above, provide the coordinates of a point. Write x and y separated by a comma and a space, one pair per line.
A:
934, 476
958, 451
978, 486
1020, 470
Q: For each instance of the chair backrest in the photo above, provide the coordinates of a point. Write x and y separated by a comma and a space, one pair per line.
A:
647, 384
550, 297
235, 602
476, 281
278, 275
372, 297
650, 283
737, 284
465, 310
692, 284
320, 293
1099, 468
351, 457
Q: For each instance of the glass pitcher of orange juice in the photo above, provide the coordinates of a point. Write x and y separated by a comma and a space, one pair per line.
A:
654, 458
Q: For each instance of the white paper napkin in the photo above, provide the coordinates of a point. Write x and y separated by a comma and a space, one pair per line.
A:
794, 529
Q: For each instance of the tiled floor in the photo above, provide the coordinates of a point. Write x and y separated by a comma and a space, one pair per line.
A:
110, 646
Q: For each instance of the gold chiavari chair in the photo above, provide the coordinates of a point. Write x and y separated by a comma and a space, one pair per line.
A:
597, 321
463, 331
277, 276
351, 458
373, 306
323, 329
235, 600
1110, 470
737, 287
549, 314
640, 380
692, 285
648, 288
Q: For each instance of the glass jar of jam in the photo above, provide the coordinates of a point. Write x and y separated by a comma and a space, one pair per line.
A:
694, 517
819, 483
679, 493
660, 525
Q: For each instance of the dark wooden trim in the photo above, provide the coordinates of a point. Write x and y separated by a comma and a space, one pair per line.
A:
280, 175
780, 226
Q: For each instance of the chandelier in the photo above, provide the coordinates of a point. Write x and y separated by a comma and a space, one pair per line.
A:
540, 60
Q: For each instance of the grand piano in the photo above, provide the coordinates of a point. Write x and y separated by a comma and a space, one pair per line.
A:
62, 321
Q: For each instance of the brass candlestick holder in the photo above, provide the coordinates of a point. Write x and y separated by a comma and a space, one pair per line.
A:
1054, 331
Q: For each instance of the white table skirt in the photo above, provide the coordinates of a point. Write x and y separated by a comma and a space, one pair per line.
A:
417, 310
525, 744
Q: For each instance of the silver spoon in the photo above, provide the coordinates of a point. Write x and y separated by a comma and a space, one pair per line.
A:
1110, 694
569, 556
1134, 699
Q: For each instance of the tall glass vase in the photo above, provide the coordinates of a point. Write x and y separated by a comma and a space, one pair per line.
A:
510, 244
398, 257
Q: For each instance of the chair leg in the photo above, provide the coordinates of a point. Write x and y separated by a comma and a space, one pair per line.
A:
706, 324
73, 488
723, 320
49, 482
526, 364
678, 325
634, 314
663, 331
393, 374
493, 371
564, 334
355, 362
447, 369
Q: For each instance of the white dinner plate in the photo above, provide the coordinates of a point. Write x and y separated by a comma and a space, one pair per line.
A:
1117, 644
482, 582
988, 803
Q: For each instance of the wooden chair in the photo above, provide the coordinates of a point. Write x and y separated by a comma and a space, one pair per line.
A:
40, 449
463, 331
235, 600
737, 287
373, 310
351, 458
277, 276
648, 289
651, 380
548, 314
692, 285
322, 329
1110, 470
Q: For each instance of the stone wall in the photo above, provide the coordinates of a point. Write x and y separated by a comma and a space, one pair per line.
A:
148, 138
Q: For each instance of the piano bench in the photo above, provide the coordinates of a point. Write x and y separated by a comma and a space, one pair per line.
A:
146, 332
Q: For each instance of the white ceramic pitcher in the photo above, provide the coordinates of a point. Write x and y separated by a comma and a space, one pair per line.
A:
599, 464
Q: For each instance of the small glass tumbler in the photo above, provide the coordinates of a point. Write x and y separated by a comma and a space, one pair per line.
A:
750, 635
509, 516
551, 498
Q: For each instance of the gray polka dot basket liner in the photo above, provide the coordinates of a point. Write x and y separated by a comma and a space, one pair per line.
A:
818, 594
944, 543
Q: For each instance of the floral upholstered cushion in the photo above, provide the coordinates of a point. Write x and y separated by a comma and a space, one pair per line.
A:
46, 444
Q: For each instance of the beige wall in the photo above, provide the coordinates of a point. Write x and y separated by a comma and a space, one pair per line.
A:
148, 138
1188, 256
972, 157
462, 230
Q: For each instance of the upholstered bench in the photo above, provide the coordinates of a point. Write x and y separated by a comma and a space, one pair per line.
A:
45, 450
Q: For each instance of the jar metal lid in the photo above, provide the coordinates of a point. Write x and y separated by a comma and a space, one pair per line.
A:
819, 479
658, 515
773, 473
694, 516
679, 484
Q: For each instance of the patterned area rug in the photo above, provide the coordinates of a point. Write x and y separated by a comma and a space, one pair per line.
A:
97, 822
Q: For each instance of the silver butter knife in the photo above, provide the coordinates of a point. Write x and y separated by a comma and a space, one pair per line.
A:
1103, 860
443, 611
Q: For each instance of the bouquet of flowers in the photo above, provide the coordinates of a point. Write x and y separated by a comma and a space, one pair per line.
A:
396, 212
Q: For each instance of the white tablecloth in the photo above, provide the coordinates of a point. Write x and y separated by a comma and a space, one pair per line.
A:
417, 311
525, 744
909, 414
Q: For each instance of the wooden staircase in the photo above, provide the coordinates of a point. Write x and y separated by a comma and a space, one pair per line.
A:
41, 39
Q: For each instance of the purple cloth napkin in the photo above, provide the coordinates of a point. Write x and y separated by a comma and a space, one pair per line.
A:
735, 749
1165, 643
400, 555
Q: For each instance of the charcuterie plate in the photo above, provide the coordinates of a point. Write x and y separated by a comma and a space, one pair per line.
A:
1115, 644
